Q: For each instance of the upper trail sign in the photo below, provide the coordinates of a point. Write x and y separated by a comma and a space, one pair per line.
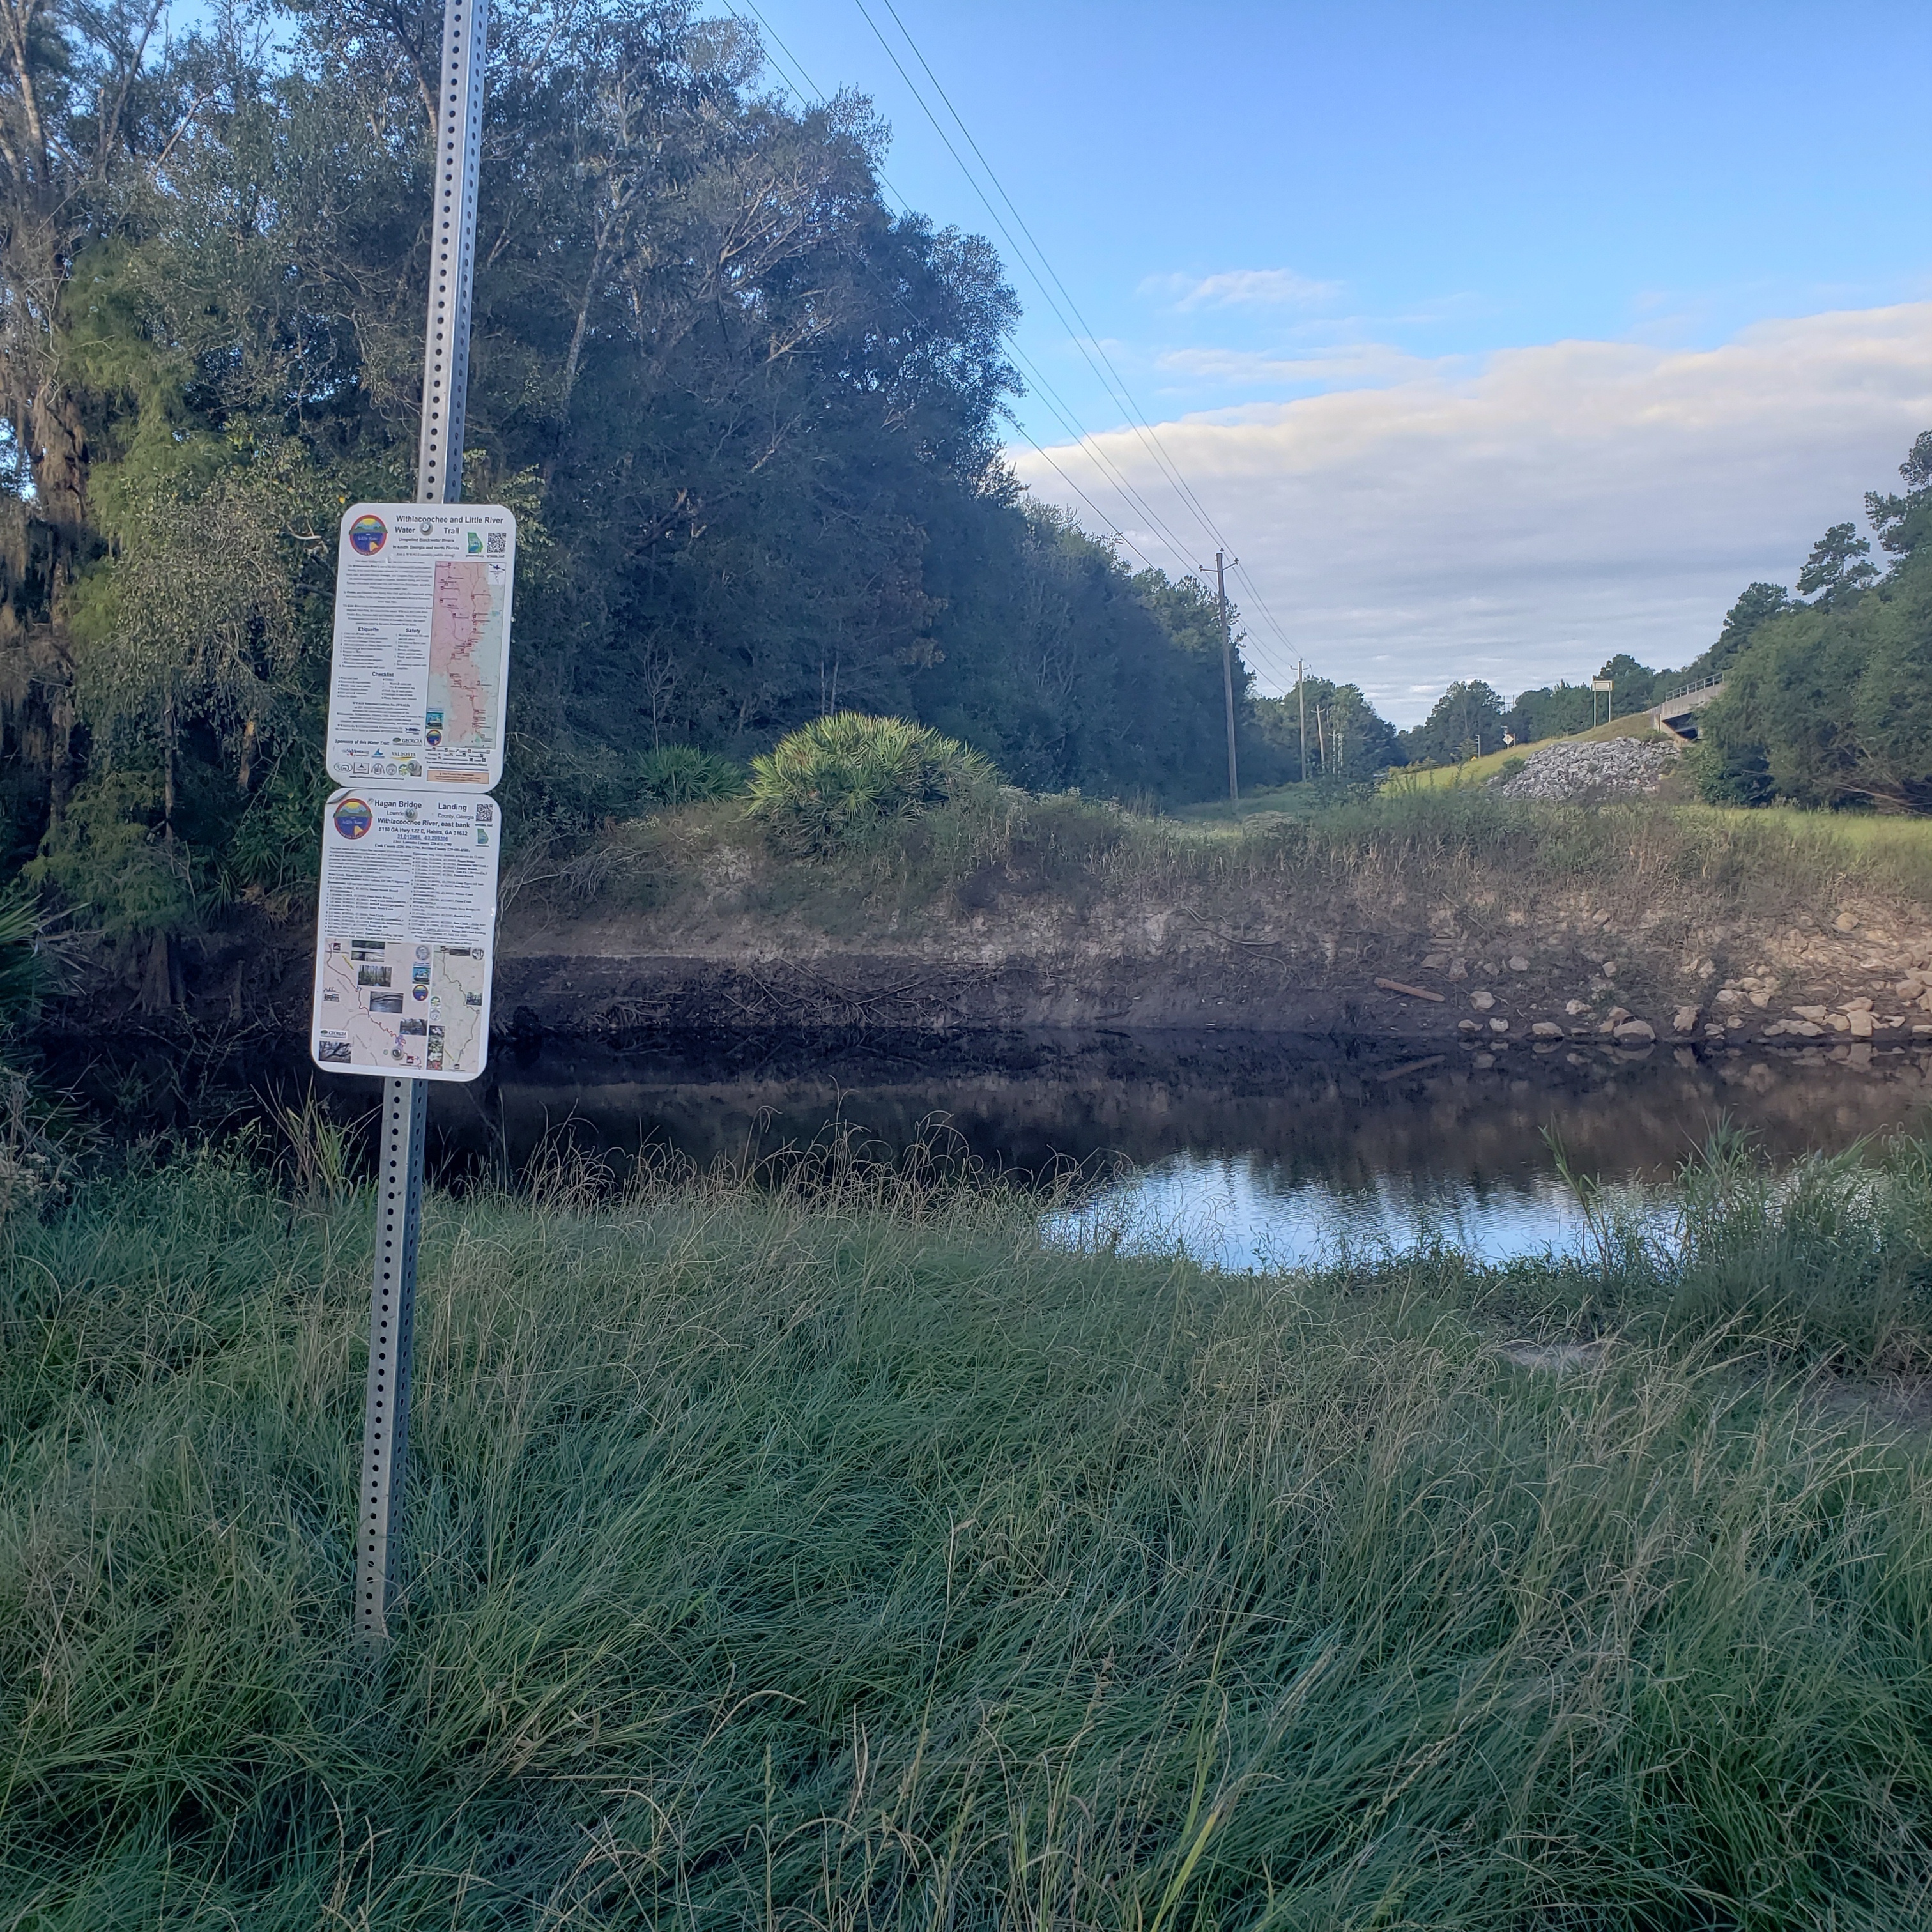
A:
422, 643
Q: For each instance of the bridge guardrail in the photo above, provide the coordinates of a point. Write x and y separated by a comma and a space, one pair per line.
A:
1690, 690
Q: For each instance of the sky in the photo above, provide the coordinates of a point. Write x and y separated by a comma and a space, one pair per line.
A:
1490, 339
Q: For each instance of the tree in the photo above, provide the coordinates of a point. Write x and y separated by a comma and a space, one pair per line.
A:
749, 417
1839, 567
1829, 702
1902, 523
1758, 604
1551, 711
1466, 721
1633, 686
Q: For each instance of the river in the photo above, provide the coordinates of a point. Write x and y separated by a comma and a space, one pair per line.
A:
1249, 1154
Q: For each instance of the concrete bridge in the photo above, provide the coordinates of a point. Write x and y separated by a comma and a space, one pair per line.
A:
1678, 713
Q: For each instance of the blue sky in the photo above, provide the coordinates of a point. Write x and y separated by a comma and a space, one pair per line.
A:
1494, 338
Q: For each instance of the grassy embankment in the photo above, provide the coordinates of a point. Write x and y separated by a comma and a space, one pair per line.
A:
1304, 800
853, 1561
1412, 860
1479, 771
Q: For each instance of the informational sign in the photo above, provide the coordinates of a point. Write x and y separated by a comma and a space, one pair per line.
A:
404, 933
422, 643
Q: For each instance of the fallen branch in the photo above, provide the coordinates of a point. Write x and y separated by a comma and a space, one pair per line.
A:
1409, 992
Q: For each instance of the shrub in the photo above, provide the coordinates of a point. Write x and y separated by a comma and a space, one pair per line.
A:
828, 785
669, 775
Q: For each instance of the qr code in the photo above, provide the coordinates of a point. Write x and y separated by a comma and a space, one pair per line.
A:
499, 541
485, 812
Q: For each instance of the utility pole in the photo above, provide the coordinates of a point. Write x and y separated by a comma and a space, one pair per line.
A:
386, 1416
1301, 702
1228, 678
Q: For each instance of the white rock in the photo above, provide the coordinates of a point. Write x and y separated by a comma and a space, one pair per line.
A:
1621, 767
1482, 999
1860, 1024
1518, 963
1685, 1020
1499, 1026
1637, 1031
1547, 1030
1573, 1007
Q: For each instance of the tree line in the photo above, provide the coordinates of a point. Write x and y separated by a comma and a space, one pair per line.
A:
1828, 692
749, 418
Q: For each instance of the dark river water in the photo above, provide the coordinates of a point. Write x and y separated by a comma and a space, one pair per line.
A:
1248, 1151
1249, 1154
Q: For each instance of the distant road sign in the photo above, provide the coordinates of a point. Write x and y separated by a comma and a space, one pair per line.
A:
405, 934
1602, 683
422, 644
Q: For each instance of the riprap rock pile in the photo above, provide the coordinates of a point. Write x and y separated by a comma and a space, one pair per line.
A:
1619, 767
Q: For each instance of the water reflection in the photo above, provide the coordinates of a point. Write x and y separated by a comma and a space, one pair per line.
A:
1242, 1211
1252, 1151
1250, 1154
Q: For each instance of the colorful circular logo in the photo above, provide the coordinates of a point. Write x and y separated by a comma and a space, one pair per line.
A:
353, 818
367, 535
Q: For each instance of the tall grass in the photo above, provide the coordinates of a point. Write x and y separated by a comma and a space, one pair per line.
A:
1363, 861
862, 1563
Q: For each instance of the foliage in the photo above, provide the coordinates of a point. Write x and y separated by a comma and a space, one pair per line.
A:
865, 1562
1634, 687
1757, 605
671, 775
749, 418
1829, 702
1348, 740
23, 963
1552, 711
1839, 567
1466, 721
833, 783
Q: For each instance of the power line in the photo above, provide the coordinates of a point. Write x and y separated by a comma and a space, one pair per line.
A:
1104, 369
1084, 438
1111, 474
1118, 387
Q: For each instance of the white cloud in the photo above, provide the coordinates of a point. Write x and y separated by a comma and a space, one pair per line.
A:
1353, 361
1563, 502
1273, 288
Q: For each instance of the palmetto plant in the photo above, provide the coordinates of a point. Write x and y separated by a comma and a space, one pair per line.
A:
831, 782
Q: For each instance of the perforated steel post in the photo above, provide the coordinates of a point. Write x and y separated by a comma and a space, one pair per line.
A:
392, 1308
386, 1416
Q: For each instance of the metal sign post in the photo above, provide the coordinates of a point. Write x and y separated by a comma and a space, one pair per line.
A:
385, 1424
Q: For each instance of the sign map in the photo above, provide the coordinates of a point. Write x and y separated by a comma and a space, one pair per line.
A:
404, 934
422, 649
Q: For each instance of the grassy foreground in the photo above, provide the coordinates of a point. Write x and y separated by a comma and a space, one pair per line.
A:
860, 1562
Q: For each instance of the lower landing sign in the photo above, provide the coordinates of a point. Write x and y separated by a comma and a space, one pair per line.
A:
404, 934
